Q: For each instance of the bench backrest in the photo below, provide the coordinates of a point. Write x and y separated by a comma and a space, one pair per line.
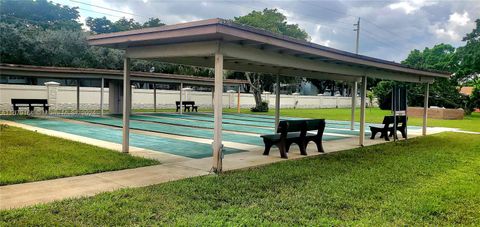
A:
286, 126
29, 101
185, 103
316, 124
389, 120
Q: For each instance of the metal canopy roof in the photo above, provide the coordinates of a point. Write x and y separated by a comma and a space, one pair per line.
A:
89, 73
254, 50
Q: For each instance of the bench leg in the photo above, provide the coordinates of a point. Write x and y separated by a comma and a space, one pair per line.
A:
385, 135
268, 145
177, 109
319, 144
404, 133
283, 151
374, 133
303, 148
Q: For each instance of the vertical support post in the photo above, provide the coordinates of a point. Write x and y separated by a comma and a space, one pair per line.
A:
126, 105
363, 93
154, 97
425, 110
217, 113
101, 96
354, 104
78, 96
238, 99
277, 102
181, 101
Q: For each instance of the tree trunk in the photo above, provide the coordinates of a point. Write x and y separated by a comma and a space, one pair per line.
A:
254, 81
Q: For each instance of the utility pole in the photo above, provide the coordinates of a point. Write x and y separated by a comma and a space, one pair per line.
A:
357, 29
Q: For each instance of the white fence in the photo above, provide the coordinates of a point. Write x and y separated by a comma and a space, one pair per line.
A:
64, 98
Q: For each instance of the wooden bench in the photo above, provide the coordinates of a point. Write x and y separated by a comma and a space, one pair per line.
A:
30, 103
295, 131
186, 106
387, 130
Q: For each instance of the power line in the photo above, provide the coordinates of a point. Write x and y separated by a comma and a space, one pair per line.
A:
93, 11
106, 8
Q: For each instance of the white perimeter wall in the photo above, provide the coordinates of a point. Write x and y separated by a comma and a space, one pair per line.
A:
143, 98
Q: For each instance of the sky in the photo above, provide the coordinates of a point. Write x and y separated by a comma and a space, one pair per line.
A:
388, 29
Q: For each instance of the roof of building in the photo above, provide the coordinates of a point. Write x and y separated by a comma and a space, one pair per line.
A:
466, 90
226, 31
81, 73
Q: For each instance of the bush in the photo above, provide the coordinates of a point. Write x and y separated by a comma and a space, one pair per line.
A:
263, 107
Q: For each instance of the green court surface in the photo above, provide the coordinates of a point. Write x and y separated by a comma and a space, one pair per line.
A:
226, 126
195, 125
200, 124
172, 146
209, 118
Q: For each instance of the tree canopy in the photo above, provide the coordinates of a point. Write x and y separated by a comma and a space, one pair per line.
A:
104, 25
274, 21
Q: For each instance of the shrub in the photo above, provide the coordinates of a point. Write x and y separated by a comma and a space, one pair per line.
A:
263, 107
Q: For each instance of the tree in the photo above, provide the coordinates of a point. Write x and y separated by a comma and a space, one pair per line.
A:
276, 22
444, 92
39, 13
104, 25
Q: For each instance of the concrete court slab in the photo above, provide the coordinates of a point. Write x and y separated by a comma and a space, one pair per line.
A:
19, 195
135, 151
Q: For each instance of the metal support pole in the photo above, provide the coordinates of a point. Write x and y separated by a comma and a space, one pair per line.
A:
78, 96
126, 105
363, 93
277, 103
425, 110
354, 104
154, 97
181, 102
217, 113
101, 96
238, 99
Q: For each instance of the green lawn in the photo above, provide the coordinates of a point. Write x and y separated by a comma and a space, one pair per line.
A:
433, 180
375, 115
29, 156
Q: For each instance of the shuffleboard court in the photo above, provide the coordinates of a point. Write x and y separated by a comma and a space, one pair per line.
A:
209, 118
200, 124
174, 129
172, 146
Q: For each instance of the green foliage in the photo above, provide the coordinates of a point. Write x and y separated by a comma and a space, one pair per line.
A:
383, 92
274, 21
104, 25
27, 156
39, 13
427, 181
263, 107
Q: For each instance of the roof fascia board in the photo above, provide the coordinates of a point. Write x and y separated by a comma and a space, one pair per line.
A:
283, 60
196, 49
248, 35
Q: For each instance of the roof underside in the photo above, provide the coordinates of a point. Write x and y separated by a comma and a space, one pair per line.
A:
89, 73
253, 50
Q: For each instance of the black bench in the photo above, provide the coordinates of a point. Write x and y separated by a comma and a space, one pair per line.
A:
30, 103
186, 106
387, 130
295, 131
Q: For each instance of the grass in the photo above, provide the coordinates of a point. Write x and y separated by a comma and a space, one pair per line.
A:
432, 180
374, 115
27, 156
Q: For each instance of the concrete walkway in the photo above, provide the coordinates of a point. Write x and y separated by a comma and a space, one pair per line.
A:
172, 168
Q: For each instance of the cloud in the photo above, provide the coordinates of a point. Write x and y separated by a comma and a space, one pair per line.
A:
453, 30
410, 6
389, 29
